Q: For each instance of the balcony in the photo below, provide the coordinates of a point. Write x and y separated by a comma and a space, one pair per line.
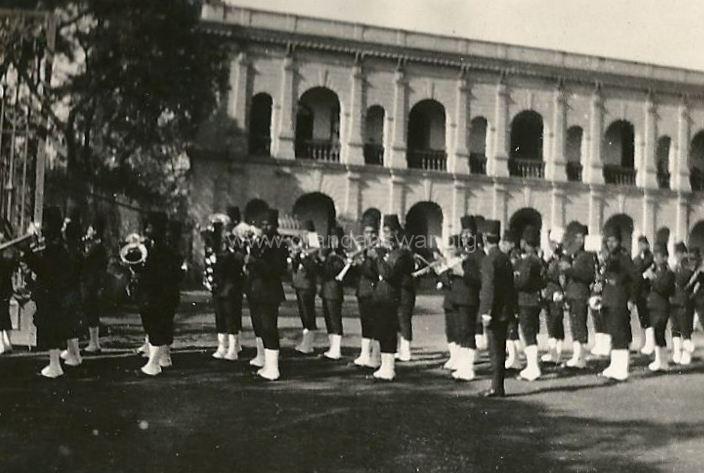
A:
259, 145
427, 159
526, 168
619, 175
373, 154
477, 163
664, 180
574, 171
318, 150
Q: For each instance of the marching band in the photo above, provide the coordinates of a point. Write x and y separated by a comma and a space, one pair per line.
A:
494, 284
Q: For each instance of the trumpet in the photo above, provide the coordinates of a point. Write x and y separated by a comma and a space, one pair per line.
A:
33, 235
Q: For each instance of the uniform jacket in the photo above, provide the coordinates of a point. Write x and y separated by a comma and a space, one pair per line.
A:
445, 279
8, 265
393, 267
95, 265
662, 287
498, 296
465, 288
266, 267
304, 273
331, 288
552, 278
529, 280
367, 277
641, 263
51, 285
580, 276
620, 279
228, 272
159, 278
683, 273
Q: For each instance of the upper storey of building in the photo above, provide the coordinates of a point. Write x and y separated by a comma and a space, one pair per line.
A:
312, 89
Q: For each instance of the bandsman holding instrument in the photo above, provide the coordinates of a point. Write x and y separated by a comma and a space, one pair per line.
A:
642, 262
331, 262
370, 354
513, 342
73, 273
445, 284
94, 280
554, 296
405, 312
580, 275
661, 288
682, 308
304, 280
530, 281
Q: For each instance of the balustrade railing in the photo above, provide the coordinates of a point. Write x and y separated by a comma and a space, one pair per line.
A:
574, 171
619, 175
664, 180
428, 159
477, 163
373, 154
259, 145
318, 150
528, 168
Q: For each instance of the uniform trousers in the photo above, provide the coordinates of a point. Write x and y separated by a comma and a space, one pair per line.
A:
306, 309
598, 320
512, 330
618, 324
529, 319
158, 322
74, 314
228, 313
52, 331
658, 320
92, 305
464, 325
643, 312
683, 321
366, 316
405, 314
450, 332
265, 320
5, 322
386, 324
496, 334
578, 320
555, 320
332, 311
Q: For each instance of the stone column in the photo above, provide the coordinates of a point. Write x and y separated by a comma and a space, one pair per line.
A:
398, 144
596, 210
395, 204
352, 197
680, 174
648, 169
285, 148
355, 143
459, 205
497, 162
555, 168
594, 173
648, 220
459, 161
237, 105
557, 207
682, 217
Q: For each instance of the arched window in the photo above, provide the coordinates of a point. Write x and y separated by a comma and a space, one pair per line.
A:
573, 153
318, 125
619, 154
260, 125
662, 159
374, 135
477, 145
696, 162
526, 155
424, 227
426, 136
318, 208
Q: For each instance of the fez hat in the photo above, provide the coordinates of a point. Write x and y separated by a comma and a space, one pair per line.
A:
52, 221
271, 216
370, 221
492, 228
531, 235
556, 234
338, 231
643, 239
661, 248
468, 222
581, 229
508, 235
680, 247
392, 222
234, 213
308, 226
612, 231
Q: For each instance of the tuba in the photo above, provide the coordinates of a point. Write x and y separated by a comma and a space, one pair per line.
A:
133, 252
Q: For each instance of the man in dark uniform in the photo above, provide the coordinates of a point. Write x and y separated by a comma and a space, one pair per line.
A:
697, 292
8, 266
682, 308
617, 300
554, 296
392, 263
73, 274
530, 281
513, 342
445, 284
405, 313
370, 354
661, 288
266, 265
580, 275
497, 304
304, 281
157, 287
50, 289
332, 261
94, 280
642, 263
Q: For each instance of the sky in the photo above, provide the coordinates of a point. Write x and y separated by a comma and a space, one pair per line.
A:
665, 32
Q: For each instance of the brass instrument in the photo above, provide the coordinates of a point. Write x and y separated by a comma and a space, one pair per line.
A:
595, 301
33, 236
133, 254
352, 259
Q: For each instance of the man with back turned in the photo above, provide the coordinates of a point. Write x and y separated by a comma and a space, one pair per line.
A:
497, 304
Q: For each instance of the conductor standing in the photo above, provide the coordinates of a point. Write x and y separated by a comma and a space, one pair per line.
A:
497, 304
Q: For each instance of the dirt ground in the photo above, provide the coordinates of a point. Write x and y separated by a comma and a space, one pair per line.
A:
205, 415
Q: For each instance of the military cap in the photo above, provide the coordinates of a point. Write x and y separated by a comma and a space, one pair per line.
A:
492, 228
643, 239
661, 248
680, 247
338, 231
234, 213
612, 231
392, 222
531, 235
468, 222
271, 216
308, 226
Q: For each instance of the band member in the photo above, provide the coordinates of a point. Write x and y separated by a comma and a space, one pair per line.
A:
682, 309
227, 290
305, 273
370, 353
8, 266
49, 290
466, 282
392, 264
697, 293
405, 312
580, 275
642, 262
265, 266
513, 342
445, 284
157, 292
617, 301
661, 288
332, 260
497, 304
73, 296
602, 339
95, 267
554, 296
530, 281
